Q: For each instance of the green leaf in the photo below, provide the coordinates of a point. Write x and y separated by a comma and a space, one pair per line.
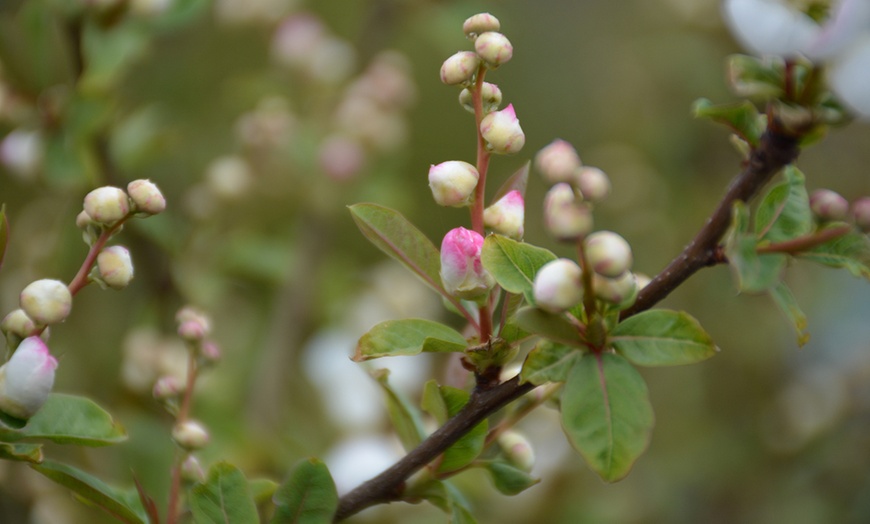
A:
466, 449
405, 417
606, 414
660, 337
513, 264
784, 213
554, 327
308, 496
444, 496
223, 497
116, 502
433, 402
742, 119
410, 336
549, 362
758, 78
786, 302
850, 251
509, 479
516, 182
68, 419
393, 234
21, 452
754, 273
262, 490
4, 233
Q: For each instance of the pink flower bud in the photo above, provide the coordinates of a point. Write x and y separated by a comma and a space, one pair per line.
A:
460, 68
480, 23
502, 131
26, 379
146, 196
620, 291
193, 325
558, 162
565, 216
829, 205
558, 286
107, 204
462, 272
593, 184
453, 183
493, 48
861, 213
19, 324
490, 98
517, 449
507, 215
341, 157
115, 266
190, 435
46, 301
608, 254
167, 387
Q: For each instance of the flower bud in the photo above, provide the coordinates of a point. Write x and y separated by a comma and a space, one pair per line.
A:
229, 177
565, 216
210, 352
193, 325
107, 204
190, 435
191, 470
83, 220
462, 272
115, 266
502, 131
26, 379
146, 196
517, 449
453, 183
493, 48
861, 213
507, 215
341, 158
167, 387
608, 254
480, 23
490, 98
558, 286
621, 291
21, 151
593, 184
19, 324
828, 205
460, 68
558, 162
642, 280
46, 301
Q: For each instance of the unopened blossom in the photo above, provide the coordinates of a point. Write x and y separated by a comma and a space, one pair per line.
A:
453, 183
21, 152
566, 217
861, 213
480, 23
593, 183
107, 204
46, 301
502, 131
115, 266
146, 196
608, 253
507, 215
829, 205
620, 290
558, 162
490, 98
197, 325
341, 157
229, 177
493, 48
167, 387
17, 323
557, 286
190, 435
517, 449
462, 271
460, 68
27, 378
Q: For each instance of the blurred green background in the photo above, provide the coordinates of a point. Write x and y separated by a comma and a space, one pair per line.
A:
764, 432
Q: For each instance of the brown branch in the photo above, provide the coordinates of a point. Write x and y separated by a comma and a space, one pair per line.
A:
775, 151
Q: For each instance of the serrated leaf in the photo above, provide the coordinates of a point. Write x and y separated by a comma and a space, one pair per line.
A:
69, 419
308, 496
660, 337
223, 498
784, 212
509, 479
410, 336
554, 327
513, 264
754, 273
606, 414
548, 362
786, 302
118, 503
516, 182
404, 416
742, 119
21, 452
469, 447
850, 251
4, 233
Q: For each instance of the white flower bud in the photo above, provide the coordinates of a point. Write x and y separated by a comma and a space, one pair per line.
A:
558, 162
507, 215
621, 291
517, 449
593, 184
502, 131
191, 470
861, 213
167, 387
46, 301
107, 204
193, 325
229, 177
21, 151
480, 23
829, 205
83, 220
453, 183
115, 266
490, 98
19, 324
558, 285
608, 254
493, 48
642, 280
462, 272
460, 68
27, 378
190, 435
146, 196
565, 216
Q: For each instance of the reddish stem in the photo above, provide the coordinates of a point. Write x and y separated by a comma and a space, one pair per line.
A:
81, 279
183, 413
806, 242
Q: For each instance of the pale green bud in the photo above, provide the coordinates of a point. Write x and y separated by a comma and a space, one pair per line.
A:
620, 291
493, 48
490, 98
558, 286
46, 301
566, 217
480, 23
558, 162
460, 68
190, 435
19, 324
115, 266
107, 204
593, 184
146, 196
608, 254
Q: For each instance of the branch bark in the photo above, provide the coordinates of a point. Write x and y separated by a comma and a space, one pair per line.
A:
776, 150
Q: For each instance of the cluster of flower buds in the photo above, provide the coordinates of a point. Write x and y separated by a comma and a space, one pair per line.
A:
41, 303
830, 206
609, 256
194, 328
462, 272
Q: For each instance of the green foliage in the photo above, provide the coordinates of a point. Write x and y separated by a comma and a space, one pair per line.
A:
408, 337
743, 118
69, 419
784, 212
405, 417
661, 337
516, 182
223, 498
509, 479
21, 452
754, 272
549, 362
554, 327
850, 251
786, 302
439, 400
513, 264
308, 495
